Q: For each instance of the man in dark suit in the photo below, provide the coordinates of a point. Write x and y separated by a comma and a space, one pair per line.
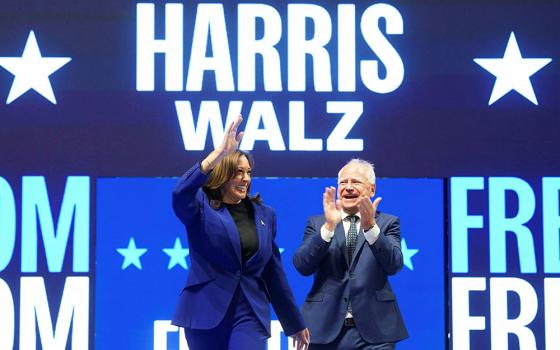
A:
351, 249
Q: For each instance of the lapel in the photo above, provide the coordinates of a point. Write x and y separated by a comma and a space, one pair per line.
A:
261, 224
231, 230
340, 239
360, 241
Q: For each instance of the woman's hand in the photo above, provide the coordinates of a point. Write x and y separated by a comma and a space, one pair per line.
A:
231, 139
301, 339
229, 144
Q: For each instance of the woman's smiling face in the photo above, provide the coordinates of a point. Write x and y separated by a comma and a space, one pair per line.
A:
237, 187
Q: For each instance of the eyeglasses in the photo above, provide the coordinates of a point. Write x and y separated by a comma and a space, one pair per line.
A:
348, 183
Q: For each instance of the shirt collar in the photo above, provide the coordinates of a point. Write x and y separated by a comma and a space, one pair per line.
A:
344, 215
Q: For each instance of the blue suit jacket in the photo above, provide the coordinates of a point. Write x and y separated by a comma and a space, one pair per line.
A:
216, 267
374, 306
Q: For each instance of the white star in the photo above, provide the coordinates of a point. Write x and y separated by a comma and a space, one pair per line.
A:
31, 71
512, 72
132, 255
177, 255
407, 255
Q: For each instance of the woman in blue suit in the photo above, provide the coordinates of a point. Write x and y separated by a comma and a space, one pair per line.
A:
235, 272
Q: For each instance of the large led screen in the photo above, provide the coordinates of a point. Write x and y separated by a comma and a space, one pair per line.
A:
142, 256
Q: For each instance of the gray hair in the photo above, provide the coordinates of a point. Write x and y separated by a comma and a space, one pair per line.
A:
367, 166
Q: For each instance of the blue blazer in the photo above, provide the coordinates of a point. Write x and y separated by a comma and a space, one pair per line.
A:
216, 269
374, 306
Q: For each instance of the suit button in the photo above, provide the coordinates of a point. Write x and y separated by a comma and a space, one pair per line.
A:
352, 275
238, 274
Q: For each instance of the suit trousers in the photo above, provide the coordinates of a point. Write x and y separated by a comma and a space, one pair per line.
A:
350, 339
239, 330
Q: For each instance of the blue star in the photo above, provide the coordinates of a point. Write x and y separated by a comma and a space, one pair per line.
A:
177, 255
512, 72
31, 71
407, 255
132, 255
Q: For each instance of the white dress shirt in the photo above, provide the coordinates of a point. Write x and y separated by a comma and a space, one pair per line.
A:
370, 236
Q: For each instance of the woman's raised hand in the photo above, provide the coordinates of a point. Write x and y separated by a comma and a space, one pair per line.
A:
231, 137
230, 143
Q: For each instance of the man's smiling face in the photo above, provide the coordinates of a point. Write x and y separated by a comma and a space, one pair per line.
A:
353, 183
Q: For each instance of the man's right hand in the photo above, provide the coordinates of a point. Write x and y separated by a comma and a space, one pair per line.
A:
331, 208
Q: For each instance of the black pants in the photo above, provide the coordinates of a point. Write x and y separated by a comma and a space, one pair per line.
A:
350, 339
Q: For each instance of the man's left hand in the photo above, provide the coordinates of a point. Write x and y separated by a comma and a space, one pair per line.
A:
367, 211
301, 340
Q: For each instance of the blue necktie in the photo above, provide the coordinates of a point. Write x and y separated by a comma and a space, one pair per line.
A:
351, 246
351, 237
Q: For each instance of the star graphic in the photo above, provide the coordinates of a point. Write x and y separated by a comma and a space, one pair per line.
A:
512, 72
407, 254
31, 71
132, 255
177, 255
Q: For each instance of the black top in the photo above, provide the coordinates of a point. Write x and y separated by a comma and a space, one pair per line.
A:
244, 217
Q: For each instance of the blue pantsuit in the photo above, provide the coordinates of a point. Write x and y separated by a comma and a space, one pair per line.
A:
218, 278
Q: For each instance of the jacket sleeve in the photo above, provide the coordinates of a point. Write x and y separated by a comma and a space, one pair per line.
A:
187, 196
312, 250
281, 296
387, 248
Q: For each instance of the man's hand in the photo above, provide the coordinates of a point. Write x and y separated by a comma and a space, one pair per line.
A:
301, 339
331, 207
367, 211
